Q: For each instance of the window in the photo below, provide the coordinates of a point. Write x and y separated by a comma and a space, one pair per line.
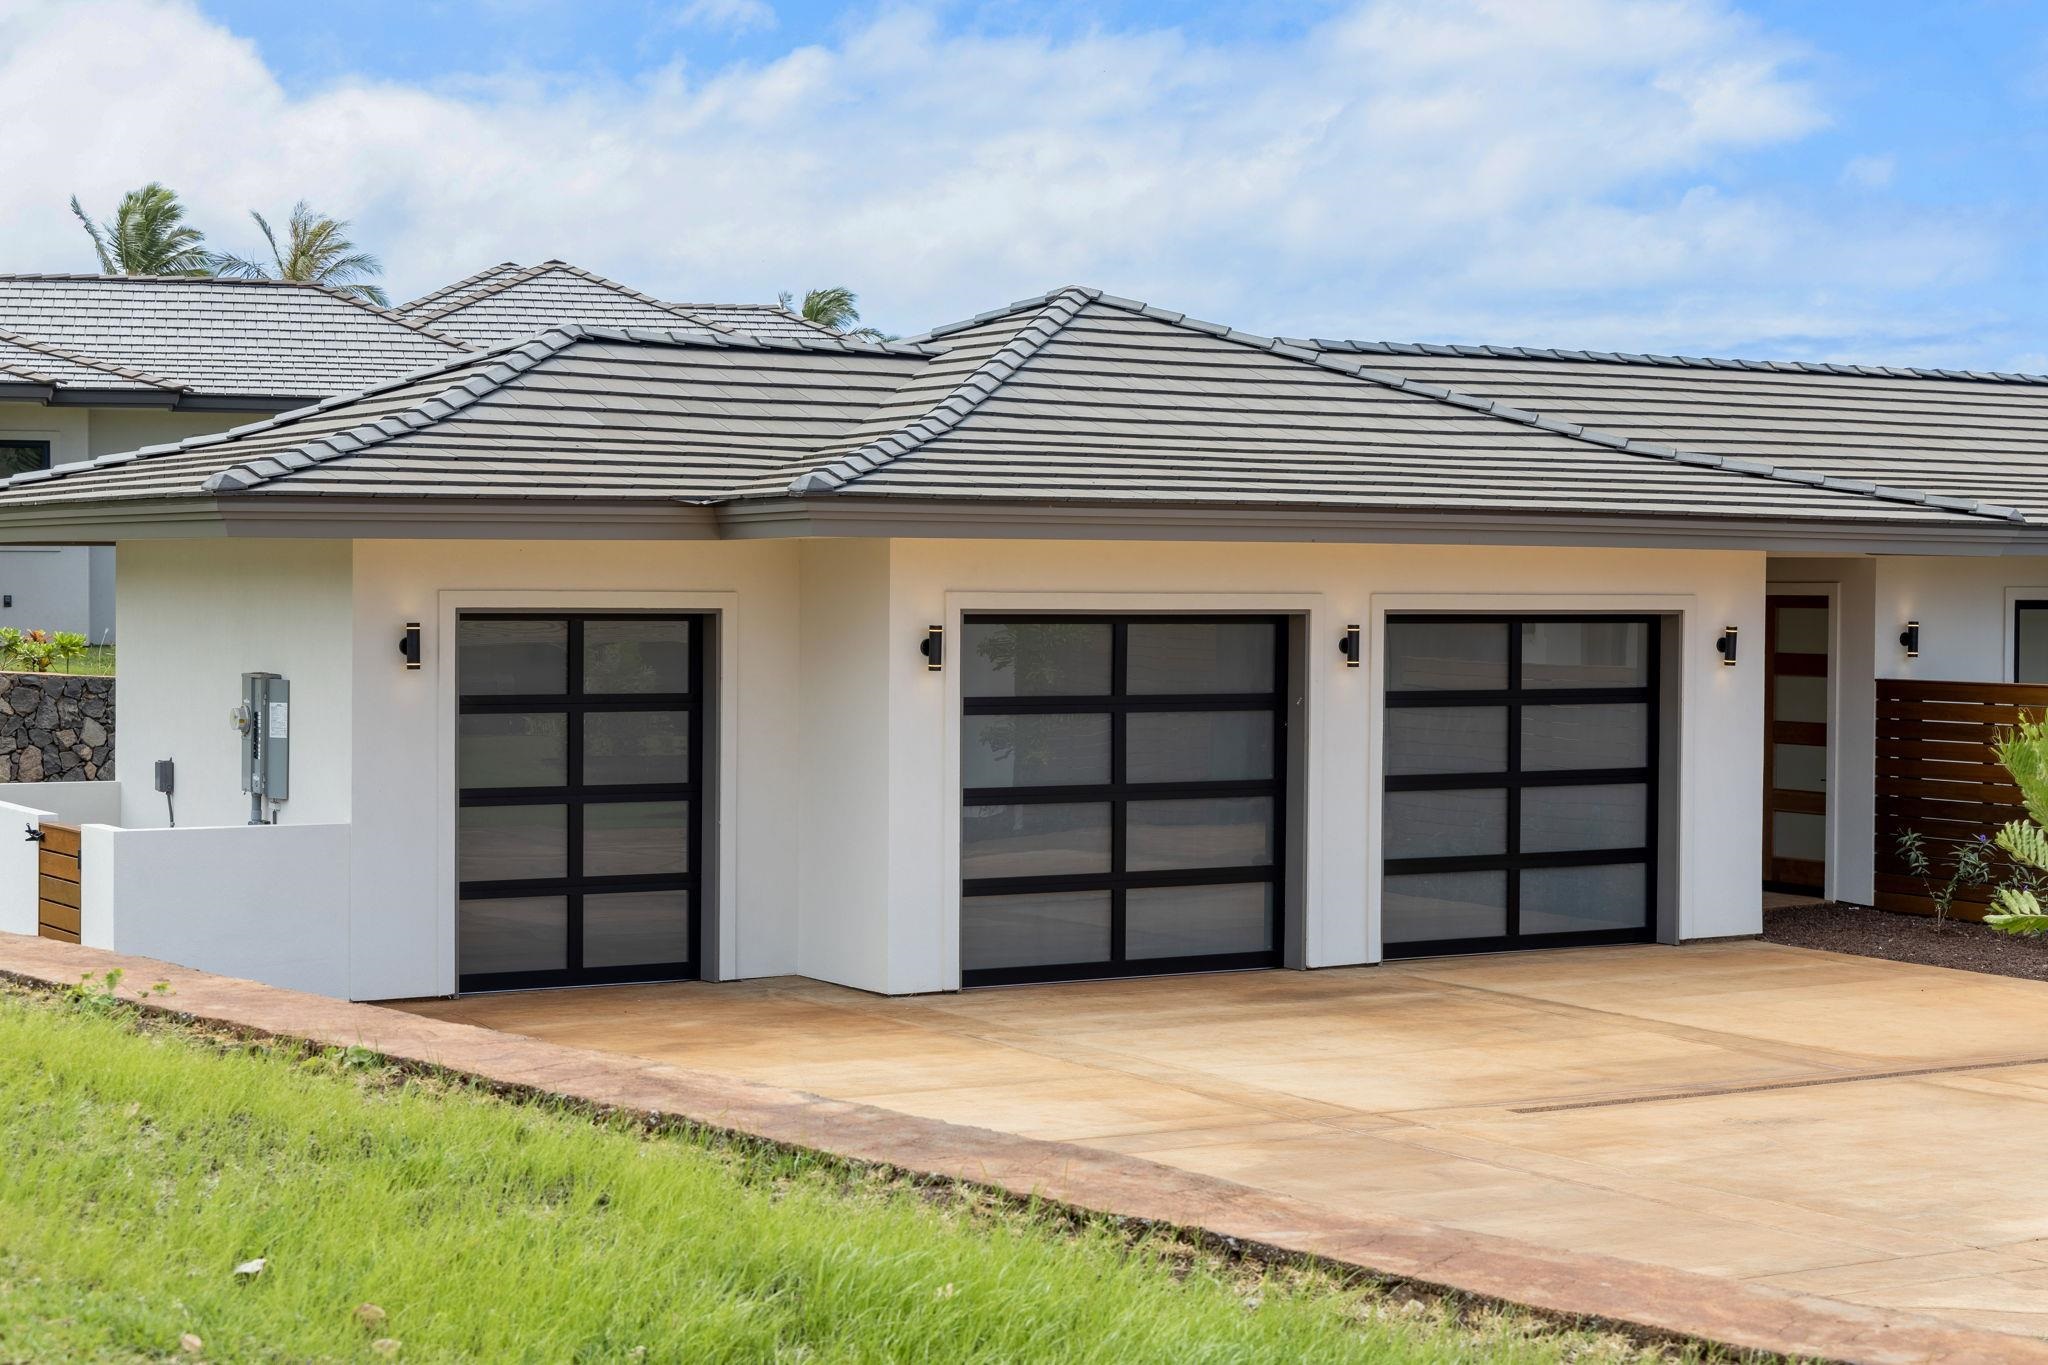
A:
1123, 795
19, 455
2030, 642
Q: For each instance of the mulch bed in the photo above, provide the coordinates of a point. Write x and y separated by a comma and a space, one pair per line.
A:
1907, 938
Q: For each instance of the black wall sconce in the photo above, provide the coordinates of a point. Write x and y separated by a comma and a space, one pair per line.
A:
933, 647
1727, 645
1351, 645
409, 644
1910, 639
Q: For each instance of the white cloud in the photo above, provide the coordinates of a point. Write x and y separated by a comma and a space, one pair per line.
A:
733, 16
1409, 167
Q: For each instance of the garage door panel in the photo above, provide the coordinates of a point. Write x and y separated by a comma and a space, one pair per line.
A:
1121, 807
1519, 805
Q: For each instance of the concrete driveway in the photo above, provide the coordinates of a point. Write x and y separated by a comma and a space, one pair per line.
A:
1837, 1126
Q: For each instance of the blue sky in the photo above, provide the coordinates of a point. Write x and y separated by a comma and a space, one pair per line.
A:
1790, 178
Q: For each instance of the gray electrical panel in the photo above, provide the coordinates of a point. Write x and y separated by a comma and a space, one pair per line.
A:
265, 721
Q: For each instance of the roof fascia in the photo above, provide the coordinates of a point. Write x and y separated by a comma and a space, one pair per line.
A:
282, 517
850, 515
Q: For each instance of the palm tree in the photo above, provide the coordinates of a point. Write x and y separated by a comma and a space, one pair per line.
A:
317, 251
835, 308
149, 236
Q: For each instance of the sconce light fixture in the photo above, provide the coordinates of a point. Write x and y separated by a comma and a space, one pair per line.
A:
933, 647
409, 644
1726, 645
1910, 639
1351, 646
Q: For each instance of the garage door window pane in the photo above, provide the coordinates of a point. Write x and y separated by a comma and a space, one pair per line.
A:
1051, 839
1035, 659
1162, 836
501, 658
514, 934
1444, 905
1198, 746
1567, 819
636, 838
1607, 735
622, 929
1559, 900
1059, 750
636, 656
513, 843
1034, 931
1448, 824
622, 748
1446, 739
1585, 654
1200, 656
1190, 921
1446, 655
515, 750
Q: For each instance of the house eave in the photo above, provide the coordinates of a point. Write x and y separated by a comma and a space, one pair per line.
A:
275, 515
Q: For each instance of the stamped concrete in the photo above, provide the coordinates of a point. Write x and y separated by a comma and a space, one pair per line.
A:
1531, 1129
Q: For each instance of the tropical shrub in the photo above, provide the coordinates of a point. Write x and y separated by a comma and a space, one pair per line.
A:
2016, 906
39, 651
1969, 865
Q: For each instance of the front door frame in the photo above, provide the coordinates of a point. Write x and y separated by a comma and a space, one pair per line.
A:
718, 949
1826, 595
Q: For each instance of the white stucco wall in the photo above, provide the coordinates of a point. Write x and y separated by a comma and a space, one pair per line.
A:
265, 902
201, 613
932, 581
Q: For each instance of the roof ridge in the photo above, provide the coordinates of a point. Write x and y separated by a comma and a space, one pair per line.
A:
547, 267
1310, 355
1059, 308
1691, 362
88, 362
457, 285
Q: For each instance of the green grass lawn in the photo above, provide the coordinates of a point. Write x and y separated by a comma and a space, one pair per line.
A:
141, 1161
98, 659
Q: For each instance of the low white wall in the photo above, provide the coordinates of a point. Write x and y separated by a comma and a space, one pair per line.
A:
265, 902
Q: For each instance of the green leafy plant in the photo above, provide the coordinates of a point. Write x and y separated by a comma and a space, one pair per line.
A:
1969, 865
147, 236
2016, 906
316, 250
39, 651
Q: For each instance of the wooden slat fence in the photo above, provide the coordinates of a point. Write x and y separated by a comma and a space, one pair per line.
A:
57, 896
1936, 773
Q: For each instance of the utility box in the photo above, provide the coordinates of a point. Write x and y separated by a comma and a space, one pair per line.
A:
265, 721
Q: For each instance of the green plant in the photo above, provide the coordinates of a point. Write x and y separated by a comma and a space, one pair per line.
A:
1969, 865
39, 651
316, 250
2016, 906
148, 236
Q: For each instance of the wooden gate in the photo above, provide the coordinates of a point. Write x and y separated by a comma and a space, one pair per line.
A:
1936, 774
57, 897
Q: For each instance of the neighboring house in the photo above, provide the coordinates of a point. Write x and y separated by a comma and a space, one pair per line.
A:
92, 365
1078, 639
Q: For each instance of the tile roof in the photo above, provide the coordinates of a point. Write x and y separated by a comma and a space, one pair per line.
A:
1075, 397
40, 362
224, 338
509, 301
1961, 433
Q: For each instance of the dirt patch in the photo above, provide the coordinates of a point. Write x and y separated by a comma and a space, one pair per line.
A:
1907, 938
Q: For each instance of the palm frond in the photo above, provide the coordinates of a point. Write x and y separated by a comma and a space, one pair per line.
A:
833, 307
316, 250
2027, 842
99, 241
2016, 910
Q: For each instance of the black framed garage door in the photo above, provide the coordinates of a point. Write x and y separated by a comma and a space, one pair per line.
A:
1520, 772
580, 762
1122, 795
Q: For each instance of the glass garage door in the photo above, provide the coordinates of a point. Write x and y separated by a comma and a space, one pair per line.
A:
580, 764
1122, 796
1520, 803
